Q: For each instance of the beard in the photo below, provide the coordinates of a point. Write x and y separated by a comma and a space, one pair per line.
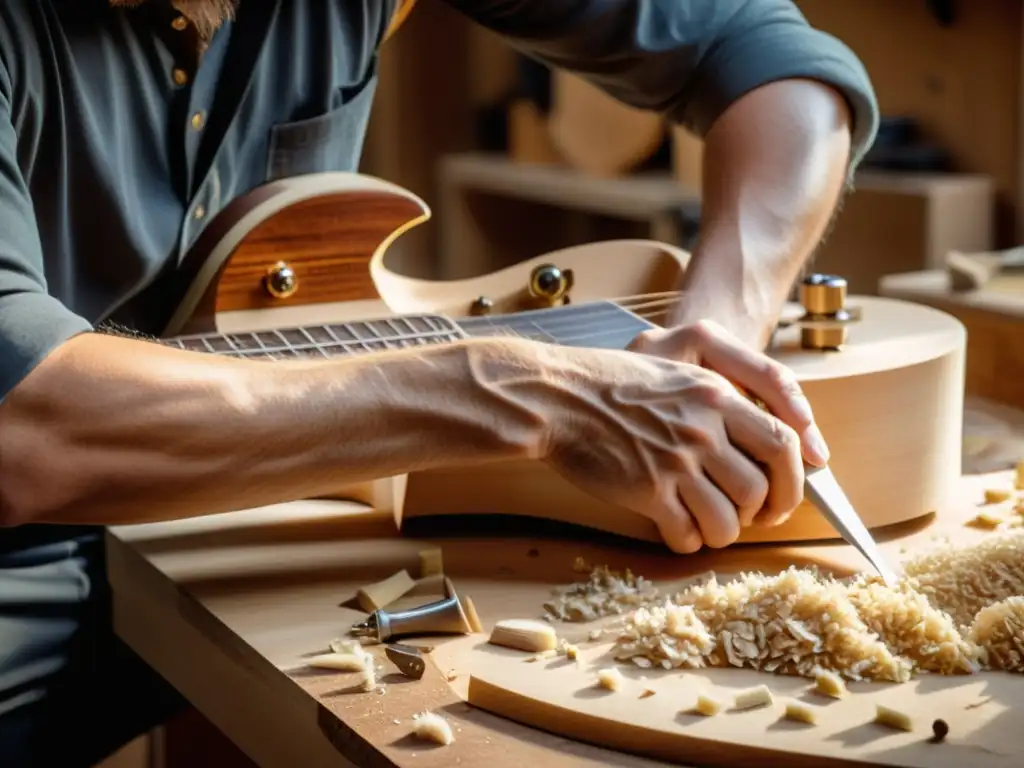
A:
206, 15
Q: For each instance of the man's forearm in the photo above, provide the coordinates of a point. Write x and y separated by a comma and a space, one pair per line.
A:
110, 430
775, 165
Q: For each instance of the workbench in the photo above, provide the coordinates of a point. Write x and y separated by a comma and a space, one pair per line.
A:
227, 607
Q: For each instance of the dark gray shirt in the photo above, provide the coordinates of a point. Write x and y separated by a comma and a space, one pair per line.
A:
115, 150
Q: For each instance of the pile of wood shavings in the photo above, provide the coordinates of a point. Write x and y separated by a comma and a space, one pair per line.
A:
605, 593
793, 623
963, 580
957, 611
999, 629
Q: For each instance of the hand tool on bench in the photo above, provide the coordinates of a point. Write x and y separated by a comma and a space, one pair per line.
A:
973, 271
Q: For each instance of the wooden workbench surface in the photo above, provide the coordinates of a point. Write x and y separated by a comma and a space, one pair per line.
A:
226, 608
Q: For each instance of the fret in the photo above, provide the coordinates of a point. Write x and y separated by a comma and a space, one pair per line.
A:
331, 340
598, 324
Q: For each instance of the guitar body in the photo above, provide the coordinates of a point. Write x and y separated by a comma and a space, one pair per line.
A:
889, 400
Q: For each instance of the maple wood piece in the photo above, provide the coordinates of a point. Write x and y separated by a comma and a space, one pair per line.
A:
228, 607
994, 318
597, 134
889, 402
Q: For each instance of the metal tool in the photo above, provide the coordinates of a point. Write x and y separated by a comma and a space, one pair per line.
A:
821, 488
444, 617
407, 658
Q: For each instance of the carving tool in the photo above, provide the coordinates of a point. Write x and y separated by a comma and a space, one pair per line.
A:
407, 658
445, 616
821, 488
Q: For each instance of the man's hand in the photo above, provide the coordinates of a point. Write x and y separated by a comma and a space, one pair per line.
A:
678, 442
709, 345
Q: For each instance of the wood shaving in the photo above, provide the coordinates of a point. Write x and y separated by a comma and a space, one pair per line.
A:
707, 706
828, 683
760, 696
800, 622
341, 662
571, 651
347, 646
431, 562
987, 521
997, 495
524, 635
999, 630
892, 718
610, 679
605, 593
801, 713
648, 692
793, 623
432, 727
962, 581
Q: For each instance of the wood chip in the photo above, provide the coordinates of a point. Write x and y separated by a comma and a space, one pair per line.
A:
759, 696
707, 706
985, 520
610, 679
432, 727
801, 713
431, 562
892, 718
997, 495
373, 597
828, 683
524, 635
471, 615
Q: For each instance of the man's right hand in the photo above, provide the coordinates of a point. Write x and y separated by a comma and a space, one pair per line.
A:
679, 443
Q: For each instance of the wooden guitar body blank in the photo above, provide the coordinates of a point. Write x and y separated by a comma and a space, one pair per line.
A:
889, 401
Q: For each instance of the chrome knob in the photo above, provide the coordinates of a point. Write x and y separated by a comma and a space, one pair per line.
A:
281, 281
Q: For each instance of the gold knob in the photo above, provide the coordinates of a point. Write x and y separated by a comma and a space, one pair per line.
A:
823, 294
824, 299
550, 283
280, 281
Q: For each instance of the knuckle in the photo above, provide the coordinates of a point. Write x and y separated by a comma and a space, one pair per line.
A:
782, 379
724, 533
784, 443
752, 492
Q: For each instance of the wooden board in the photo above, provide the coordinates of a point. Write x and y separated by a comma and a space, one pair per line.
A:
227, 607
994, 319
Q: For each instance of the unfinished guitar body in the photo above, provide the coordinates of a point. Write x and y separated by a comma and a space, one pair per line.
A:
889, 401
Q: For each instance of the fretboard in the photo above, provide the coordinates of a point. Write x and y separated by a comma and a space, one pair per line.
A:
599, 324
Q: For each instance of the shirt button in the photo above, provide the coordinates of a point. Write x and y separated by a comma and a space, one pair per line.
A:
200, 212
179, 24
180, 76
198, 120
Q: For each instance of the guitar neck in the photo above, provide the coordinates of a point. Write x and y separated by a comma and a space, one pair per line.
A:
599, 324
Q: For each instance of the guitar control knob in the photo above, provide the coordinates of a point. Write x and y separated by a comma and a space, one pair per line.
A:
280, 281
823, 294
824, 300
550, 284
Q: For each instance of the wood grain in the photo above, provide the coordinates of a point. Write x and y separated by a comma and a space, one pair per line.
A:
227, 607
328, 241
994, 320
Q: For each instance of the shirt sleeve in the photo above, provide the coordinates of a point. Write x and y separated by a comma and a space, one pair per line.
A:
32, 322
689, 59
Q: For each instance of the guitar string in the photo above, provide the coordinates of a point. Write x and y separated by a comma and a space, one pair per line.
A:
381, 342
634, 303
